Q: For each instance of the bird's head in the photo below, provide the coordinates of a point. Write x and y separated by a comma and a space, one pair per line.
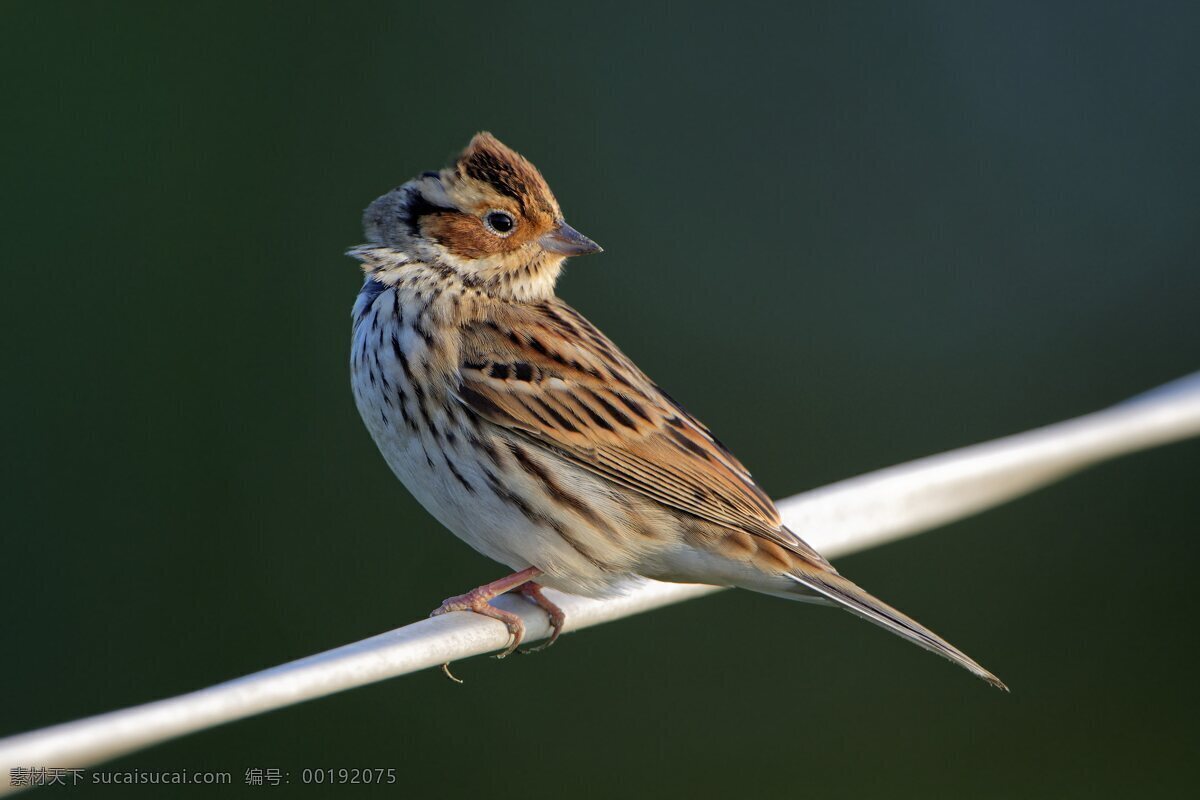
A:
490, 217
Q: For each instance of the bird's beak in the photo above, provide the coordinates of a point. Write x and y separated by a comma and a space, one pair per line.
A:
567, 241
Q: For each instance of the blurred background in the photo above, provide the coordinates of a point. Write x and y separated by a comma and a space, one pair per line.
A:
895, 229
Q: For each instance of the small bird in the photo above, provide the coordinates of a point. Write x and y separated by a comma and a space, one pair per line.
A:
525, 431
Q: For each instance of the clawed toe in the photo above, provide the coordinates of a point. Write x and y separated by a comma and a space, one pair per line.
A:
557, 618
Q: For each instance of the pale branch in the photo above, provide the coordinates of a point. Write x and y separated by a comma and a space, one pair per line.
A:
842, 518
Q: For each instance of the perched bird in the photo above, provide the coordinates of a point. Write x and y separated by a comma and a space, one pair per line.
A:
531, 436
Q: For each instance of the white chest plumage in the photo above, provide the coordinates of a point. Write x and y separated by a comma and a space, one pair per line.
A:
455, 465
410, 412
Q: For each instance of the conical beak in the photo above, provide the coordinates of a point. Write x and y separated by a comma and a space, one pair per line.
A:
567, 241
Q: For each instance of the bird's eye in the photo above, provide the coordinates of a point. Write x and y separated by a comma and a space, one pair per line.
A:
500, 223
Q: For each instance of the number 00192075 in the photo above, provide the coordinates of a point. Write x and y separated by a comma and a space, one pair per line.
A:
355, 775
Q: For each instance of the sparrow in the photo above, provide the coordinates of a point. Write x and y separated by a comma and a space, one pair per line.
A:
528, 434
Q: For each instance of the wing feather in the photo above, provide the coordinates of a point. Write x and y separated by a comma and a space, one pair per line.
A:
546, 373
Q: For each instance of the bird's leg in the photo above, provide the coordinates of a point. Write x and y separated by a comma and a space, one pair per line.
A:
477, 600
533, 592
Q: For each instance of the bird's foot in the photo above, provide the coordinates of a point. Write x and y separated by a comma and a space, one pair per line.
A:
478, 601
533, 592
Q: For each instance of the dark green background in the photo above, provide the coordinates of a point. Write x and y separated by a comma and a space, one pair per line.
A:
846, 235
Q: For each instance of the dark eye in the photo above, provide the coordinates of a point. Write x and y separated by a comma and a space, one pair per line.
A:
500, 223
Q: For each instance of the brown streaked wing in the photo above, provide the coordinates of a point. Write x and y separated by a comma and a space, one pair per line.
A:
547, 373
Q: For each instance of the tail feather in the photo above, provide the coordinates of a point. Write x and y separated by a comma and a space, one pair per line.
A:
842, 592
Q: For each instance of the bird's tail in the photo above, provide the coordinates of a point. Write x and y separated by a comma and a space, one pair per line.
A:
829, 584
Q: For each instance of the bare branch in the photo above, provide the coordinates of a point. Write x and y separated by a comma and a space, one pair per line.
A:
842, 518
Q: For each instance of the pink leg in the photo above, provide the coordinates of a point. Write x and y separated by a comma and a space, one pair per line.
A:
533, 592
477, 600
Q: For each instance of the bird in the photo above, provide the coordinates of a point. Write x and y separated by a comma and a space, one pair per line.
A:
530, 435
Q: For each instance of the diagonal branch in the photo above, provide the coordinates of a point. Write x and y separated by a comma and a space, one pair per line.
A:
842, 518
